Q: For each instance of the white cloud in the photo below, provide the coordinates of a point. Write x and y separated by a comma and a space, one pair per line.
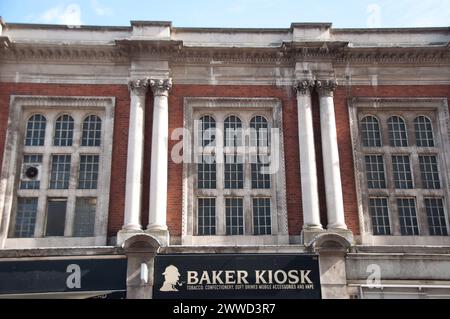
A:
69, 15
101, 9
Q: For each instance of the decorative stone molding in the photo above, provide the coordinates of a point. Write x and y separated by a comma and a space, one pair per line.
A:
160, 87
326, 87
304, 86
139, 86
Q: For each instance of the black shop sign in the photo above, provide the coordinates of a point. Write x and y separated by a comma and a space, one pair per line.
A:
235, 276
61, 276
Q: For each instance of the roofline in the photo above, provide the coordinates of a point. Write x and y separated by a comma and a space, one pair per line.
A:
223, 29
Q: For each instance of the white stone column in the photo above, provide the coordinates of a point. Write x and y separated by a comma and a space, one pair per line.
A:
308, 172
330, 153
138, 91
159, 159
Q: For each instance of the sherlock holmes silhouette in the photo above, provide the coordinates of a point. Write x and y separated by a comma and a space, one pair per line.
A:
171, 276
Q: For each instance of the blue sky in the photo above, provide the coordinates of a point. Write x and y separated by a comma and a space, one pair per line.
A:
232, 13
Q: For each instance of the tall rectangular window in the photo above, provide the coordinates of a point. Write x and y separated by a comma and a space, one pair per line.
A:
379, 212
234, 209
429, 172
402, 172
262, 221
234, 172
408, 217
25, 217
88, 176
60, 174
206, 216
206, 172
56, 217
375, 171
84, 223
260, 172
436, 217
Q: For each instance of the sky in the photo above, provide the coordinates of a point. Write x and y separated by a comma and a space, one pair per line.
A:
231, 13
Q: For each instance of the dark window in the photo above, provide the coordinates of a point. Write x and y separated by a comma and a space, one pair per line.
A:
436, 216
60, 174
402, 172
375, 171
429, 172
84, 223
88, 176
56, 217
424, 132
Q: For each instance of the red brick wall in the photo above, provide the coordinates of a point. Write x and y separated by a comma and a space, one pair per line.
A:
288, 98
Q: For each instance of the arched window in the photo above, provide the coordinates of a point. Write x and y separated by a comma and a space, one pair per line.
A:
64, 131
206, 178
234, 162
397, 132
233, 131
259, 132
35, 135
424, 132
92, 131
370, 132
207, 131
259, 137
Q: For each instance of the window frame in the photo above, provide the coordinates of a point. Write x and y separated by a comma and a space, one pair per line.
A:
408, 109
244, 109
21, 108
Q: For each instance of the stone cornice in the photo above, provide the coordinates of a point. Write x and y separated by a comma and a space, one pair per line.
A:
122, 51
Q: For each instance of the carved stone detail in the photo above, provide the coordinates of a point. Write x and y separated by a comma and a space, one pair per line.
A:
304, 86
160, 87
139, 86
326, 87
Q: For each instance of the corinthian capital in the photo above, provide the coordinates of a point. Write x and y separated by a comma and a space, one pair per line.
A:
161, 87
304, 86
139, 86
326, 87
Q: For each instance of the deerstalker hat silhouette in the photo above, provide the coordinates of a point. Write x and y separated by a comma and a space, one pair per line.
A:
171, 269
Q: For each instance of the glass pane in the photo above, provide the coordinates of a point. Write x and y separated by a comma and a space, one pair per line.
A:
64, 131
84, 217
429, 172
262, 223
56, 217
60, 174
260, 171
407, 216
402, 172
436, 216
234, 209
92, 130
370, 132
206, 173
259, 132
424, 132
375, 171
206, 216
233, 132
379, 212
397, 132
234, 172
88, 173
35, 135
25, 217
